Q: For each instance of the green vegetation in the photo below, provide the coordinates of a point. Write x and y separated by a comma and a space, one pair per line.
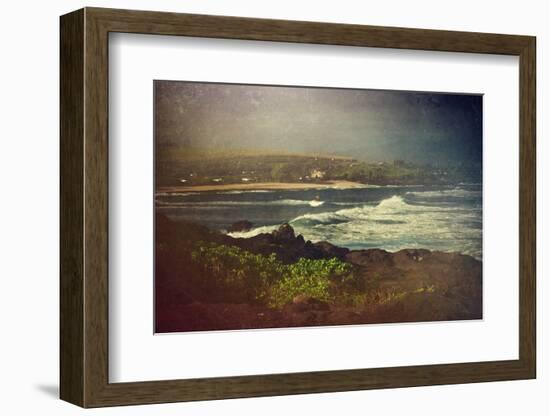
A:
205, 280
235, 272
317, 279
208, 167
242, 276
265, 279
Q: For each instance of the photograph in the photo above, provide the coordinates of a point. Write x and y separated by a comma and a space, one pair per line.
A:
291, 206
278, 207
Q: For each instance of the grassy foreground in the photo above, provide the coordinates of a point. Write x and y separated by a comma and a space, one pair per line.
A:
205, 280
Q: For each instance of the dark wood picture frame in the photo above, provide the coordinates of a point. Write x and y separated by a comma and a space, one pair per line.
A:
84, 207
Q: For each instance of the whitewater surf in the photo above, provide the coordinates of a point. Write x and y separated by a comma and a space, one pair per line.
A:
446, 218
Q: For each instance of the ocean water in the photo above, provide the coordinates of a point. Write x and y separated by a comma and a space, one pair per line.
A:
444, 218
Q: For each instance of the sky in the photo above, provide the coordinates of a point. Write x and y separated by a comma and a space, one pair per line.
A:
369, 125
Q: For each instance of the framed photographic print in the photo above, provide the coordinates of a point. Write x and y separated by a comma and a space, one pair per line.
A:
262, 207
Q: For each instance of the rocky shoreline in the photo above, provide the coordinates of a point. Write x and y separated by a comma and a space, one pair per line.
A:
420, 285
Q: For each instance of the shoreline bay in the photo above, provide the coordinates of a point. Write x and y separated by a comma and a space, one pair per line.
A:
263, 186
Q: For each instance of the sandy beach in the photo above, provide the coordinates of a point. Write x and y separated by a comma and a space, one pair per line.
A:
262, 186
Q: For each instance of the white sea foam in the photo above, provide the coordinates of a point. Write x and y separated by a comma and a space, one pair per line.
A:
205, 204
456, 192
288, 202
392, 224
255, 231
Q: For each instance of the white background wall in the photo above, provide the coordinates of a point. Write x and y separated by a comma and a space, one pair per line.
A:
29, 225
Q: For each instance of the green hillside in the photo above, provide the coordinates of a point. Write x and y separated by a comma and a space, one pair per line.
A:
176, 166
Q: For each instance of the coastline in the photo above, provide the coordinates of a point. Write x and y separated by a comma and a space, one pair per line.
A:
263, 186
410, 285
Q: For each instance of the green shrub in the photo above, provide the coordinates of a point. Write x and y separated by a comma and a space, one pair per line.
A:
237, 275
315, 278
231, 274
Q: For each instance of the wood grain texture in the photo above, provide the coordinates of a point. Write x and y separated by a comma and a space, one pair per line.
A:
162, 23
528, 207
84, 207
96, 217
71, 208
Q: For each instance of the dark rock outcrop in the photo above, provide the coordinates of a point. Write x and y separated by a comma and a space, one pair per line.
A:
284, 234
369, 257
330, 250
288, 246
240, 226
411, 255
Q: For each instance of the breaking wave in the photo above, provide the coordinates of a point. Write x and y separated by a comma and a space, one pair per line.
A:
392, 224
456, 192
205, 204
